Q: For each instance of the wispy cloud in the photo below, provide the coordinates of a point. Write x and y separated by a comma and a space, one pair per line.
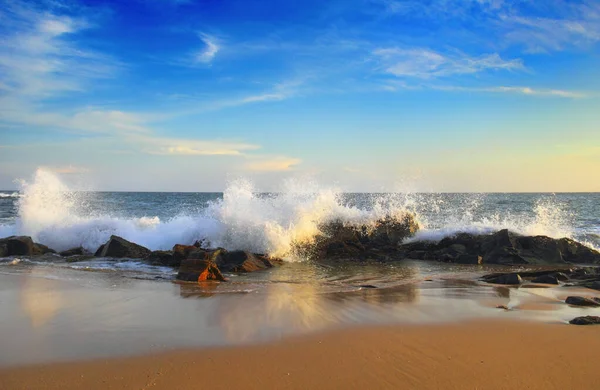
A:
188, 147
426, 63
272, 164
210, 49
517, 90
39, 58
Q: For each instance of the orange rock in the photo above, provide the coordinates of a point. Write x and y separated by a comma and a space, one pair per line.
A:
199, 270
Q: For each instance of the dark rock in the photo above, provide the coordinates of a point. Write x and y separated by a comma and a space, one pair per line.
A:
199, 270
366, 286
78, 258
181, 252
595, 285
98, 252
574, 252
502, 307
586, 320
241, 261
119, 247
468, 259
163, 258
582, 301
73, 252
22, 246
510, 279
546, 279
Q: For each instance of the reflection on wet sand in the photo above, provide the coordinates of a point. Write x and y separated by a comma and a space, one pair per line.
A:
39, 300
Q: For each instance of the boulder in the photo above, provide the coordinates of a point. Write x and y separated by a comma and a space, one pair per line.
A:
74, 252
98, 252
198, 270
583, 301
165, 258
574, 252
242, 261
121, 248
468, 259
22, 246
585, 320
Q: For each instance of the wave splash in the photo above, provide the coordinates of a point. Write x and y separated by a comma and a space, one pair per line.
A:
264, 223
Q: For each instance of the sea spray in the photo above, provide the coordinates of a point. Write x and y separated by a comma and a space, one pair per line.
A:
243, 218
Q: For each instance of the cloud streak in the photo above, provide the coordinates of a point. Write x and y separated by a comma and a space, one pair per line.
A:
210, 50
428, 64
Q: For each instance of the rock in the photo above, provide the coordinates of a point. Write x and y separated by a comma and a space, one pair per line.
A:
73, 251
595, 285
502, 307
119, 247
582, 301
510, 279
22, 246
181, 252
78, 258
546, 279
163, 258
198, 270
98, 252
241, 261
585, 320
468, 259
574, 252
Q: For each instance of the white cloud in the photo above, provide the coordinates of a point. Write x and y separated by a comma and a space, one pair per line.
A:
188, 147
272, 164
210, 50
425, 63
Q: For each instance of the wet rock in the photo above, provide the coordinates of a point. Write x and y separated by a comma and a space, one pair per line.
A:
546, 279
340, 240
98, 252
121, 248
199, 270
595, 285
583, 301
22, 246
242, 261
509, 279
468, 259
574, 252
74, 252
181, 252
502, 307
163, 258
585, 320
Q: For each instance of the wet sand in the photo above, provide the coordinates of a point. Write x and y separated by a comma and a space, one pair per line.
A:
491, 354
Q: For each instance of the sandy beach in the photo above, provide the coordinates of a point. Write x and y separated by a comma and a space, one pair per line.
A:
475, 355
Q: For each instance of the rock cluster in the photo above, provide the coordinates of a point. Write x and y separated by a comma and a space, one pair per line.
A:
503, 247
22, 246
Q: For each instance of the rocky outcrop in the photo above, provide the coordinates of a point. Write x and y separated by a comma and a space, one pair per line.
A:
199, 270
181, 252
583, 301
373, 241
502, 247
22, 246
585, 320
121, 248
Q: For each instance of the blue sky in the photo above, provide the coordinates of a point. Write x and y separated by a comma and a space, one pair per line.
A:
369, 95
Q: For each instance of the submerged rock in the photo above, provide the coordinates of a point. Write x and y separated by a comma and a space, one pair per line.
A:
583, 301
198, 270
22, 246
585, 320
546, 279
509, 279
74, 252
121, 248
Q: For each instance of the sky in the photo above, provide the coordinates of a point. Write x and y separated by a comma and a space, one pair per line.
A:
364, 95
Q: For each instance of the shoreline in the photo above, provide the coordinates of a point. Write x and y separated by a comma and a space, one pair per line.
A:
497, 354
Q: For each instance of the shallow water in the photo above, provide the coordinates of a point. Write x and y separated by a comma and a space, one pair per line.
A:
52, 313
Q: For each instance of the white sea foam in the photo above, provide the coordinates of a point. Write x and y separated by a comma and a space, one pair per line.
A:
242, 219
9, 195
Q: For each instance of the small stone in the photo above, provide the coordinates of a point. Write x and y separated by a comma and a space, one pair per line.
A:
586, 320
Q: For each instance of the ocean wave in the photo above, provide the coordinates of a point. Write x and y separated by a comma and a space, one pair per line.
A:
243, 219
9, 195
